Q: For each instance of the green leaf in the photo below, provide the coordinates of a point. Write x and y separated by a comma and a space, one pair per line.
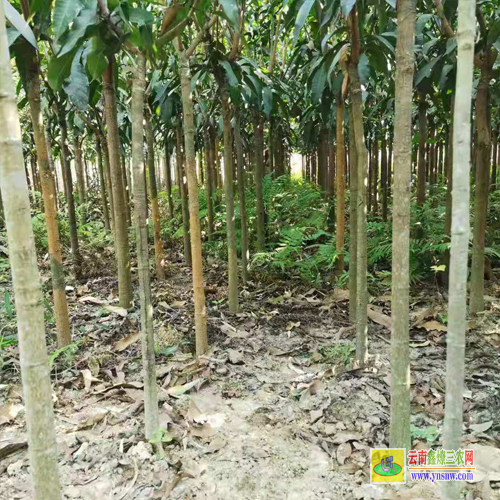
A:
97, 62
318, 84
301, 19
385, 42
231, 77
86, 19
19, 23
12, 35
65, 12
59, 69
494, 33
78, 84
141, 17
347, 6
421, 22
230, 8
425, 71
267, 96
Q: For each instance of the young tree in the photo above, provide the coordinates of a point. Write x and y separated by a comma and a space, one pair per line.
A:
400, 355
460, 229
155, 209
141, 210
27, 289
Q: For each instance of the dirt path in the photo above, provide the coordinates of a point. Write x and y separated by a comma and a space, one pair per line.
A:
274, 411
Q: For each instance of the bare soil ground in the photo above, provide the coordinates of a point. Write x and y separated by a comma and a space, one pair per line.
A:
274, 411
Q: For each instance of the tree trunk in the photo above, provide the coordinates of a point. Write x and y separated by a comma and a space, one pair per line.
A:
102, 185
422, 140
182, 180
482, 150
241, 193
168, 180
155, 209
48, 192
259, 176
383, 177
107, 178
126, 187
199, 290
27, 289
457, 299
141, 227
120, 211
375, 176
353, 220
494, 159
73, 230
331, 163
217, 160
229, 193
340, 232
362, 170
209, 182
80, 176
400, 436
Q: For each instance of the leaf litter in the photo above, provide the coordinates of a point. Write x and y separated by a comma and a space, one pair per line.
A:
275, 410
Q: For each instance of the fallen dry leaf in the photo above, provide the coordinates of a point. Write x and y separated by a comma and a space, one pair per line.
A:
343, 453
235, 357
380, 318
481, 427
343, 437
9, 411
122, 344
117, 310
434, 325
88, 378
92, 300
178, 390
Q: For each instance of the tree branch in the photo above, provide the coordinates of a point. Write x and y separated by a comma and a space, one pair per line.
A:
199, 37
445, 25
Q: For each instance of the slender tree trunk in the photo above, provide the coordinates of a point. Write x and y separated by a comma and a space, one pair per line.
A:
48, 192
199, 290
400, 349
182, 180
120, 211
27, 289
107, 178
141, 226
457, 299
168, 180
422, 140
155, 208
340, 232
375, 176
370, 179
80, 176
259, 176
494, 158
383, 177
362, 170
482, 150
331, 163
241, 193
209, 182
126, 187
229, 193
217, 160
102, 185
73, 230
353, 220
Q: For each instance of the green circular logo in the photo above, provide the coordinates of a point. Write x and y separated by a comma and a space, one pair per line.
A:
396, 469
